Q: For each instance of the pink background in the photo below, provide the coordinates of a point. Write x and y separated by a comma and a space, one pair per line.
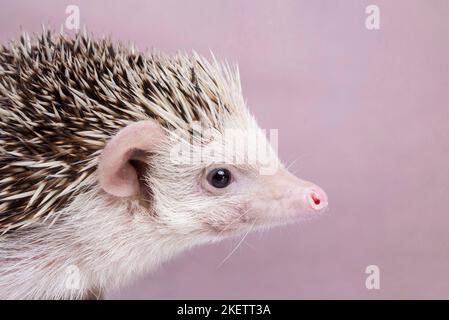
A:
366, 112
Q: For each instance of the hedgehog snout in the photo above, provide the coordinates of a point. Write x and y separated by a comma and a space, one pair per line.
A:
292, 196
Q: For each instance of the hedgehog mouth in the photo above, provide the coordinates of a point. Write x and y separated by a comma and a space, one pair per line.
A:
251, 219
256, 224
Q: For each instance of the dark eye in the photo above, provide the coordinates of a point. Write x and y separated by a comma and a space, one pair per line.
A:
219, 178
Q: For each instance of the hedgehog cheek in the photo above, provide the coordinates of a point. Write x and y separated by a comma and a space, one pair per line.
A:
116, 174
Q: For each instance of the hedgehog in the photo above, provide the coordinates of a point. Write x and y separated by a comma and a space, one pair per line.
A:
114, 160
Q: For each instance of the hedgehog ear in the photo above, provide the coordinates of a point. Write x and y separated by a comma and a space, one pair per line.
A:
117, 171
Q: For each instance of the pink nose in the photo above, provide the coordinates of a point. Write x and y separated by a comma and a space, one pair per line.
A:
317, 198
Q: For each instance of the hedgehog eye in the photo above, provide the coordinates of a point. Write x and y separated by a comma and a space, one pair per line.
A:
219, 178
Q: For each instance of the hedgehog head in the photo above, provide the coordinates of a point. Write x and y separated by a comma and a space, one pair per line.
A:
217, 175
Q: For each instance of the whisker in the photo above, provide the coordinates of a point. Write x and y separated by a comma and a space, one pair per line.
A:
288, 167
232, 222
292, 163
237, 246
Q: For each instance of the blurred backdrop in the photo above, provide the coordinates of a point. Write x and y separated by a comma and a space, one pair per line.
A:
364, 112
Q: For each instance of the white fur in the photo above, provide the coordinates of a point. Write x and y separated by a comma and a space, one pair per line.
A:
108, 244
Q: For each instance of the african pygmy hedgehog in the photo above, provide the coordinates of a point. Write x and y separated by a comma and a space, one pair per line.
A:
89, 180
